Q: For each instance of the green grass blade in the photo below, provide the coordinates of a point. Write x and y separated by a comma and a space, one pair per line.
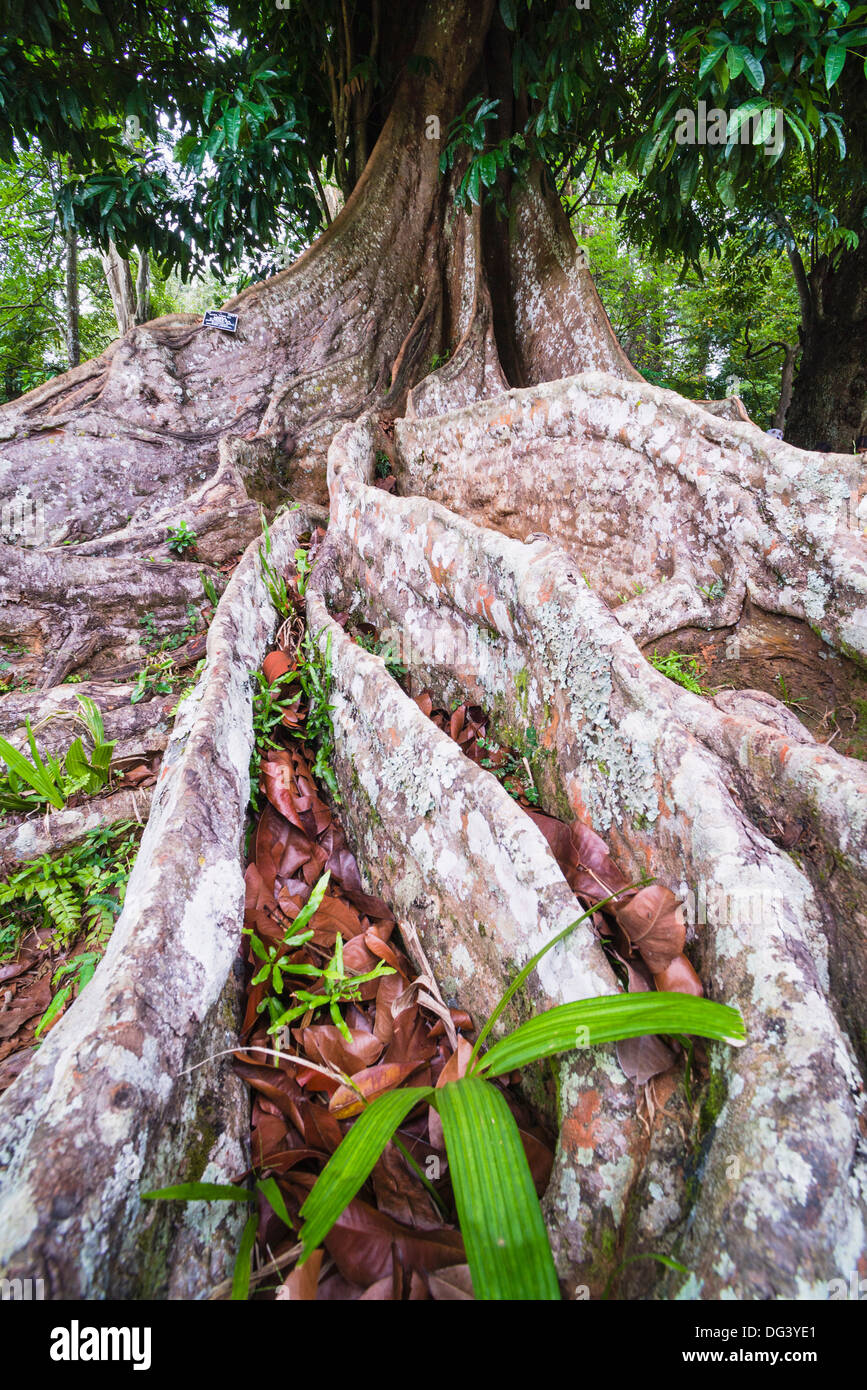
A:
200, 1192
591, 1021
498, 1210
528, 968
241, 1275
350, 1164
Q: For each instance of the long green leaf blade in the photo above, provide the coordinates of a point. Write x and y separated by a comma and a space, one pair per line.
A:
201, 1192
531, 966
350, 1164
609, 1019
498, 1210
241, 1275
37, 778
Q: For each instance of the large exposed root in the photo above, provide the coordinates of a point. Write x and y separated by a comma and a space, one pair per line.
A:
680, 787
644, 488
107, 1107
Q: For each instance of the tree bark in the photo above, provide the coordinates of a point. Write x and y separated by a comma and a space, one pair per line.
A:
532, 464
118, 277
829, 399
73, 341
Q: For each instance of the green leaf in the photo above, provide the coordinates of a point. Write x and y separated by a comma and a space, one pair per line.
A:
509, 13
275, 1199
754, 70
36, 777
735, 62
312, 903
498, 1210
834, 61
241, 1275
522, 975
349, 1166
591, 1021
200, 1192
710, 59
53, 1009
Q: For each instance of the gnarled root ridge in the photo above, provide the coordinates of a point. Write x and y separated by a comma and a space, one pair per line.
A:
647, 490
758, 1195
106, 1107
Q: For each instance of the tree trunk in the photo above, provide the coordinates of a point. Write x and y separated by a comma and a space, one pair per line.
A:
787, 375
143, 289
73, 342
829, 399
123, 295
555, 515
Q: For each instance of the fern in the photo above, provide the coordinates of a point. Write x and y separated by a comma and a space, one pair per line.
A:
81, 890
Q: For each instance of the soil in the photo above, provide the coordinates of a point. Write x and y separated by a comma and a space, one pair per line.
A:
783, 657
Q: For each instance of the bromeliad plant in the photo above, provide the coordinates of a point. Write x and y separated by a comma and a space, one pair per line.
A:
498, 1210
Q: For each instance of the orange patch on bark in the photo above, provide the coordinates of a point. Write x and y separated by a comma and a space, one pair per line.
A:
486, 598
549, 733
579, 1126
546, 591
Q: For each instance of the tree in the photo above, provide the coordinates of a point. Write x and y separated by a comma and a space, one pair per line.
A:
791, 164
446, 320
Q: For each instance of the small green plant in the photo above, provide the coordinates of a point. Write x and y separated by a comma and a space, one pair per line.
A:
81, 969
637, 589
155, 678
681, 669
209, 588
382, 465
274, 582
35, 781
439, 359
271, 700
150, 636
794, 702
337, 987
314, 673
514, 769
81, 889
151, 640
713, 591
181, 538
498, 1210
303, 569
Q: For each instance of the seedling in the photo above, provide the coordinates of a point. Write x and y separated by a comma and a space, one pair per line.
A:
337, 988
181, 538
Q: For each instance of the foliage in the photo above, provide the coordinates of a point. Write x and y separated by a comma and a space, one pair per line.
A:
78, 972
271, 702
501, 1222
209, 588
34, 781
181, 538
700, 334
81, 889
155, 678
684, 670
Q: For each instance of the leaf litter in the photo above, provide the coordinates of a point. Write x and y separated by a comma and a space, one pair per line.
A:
348, 1008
